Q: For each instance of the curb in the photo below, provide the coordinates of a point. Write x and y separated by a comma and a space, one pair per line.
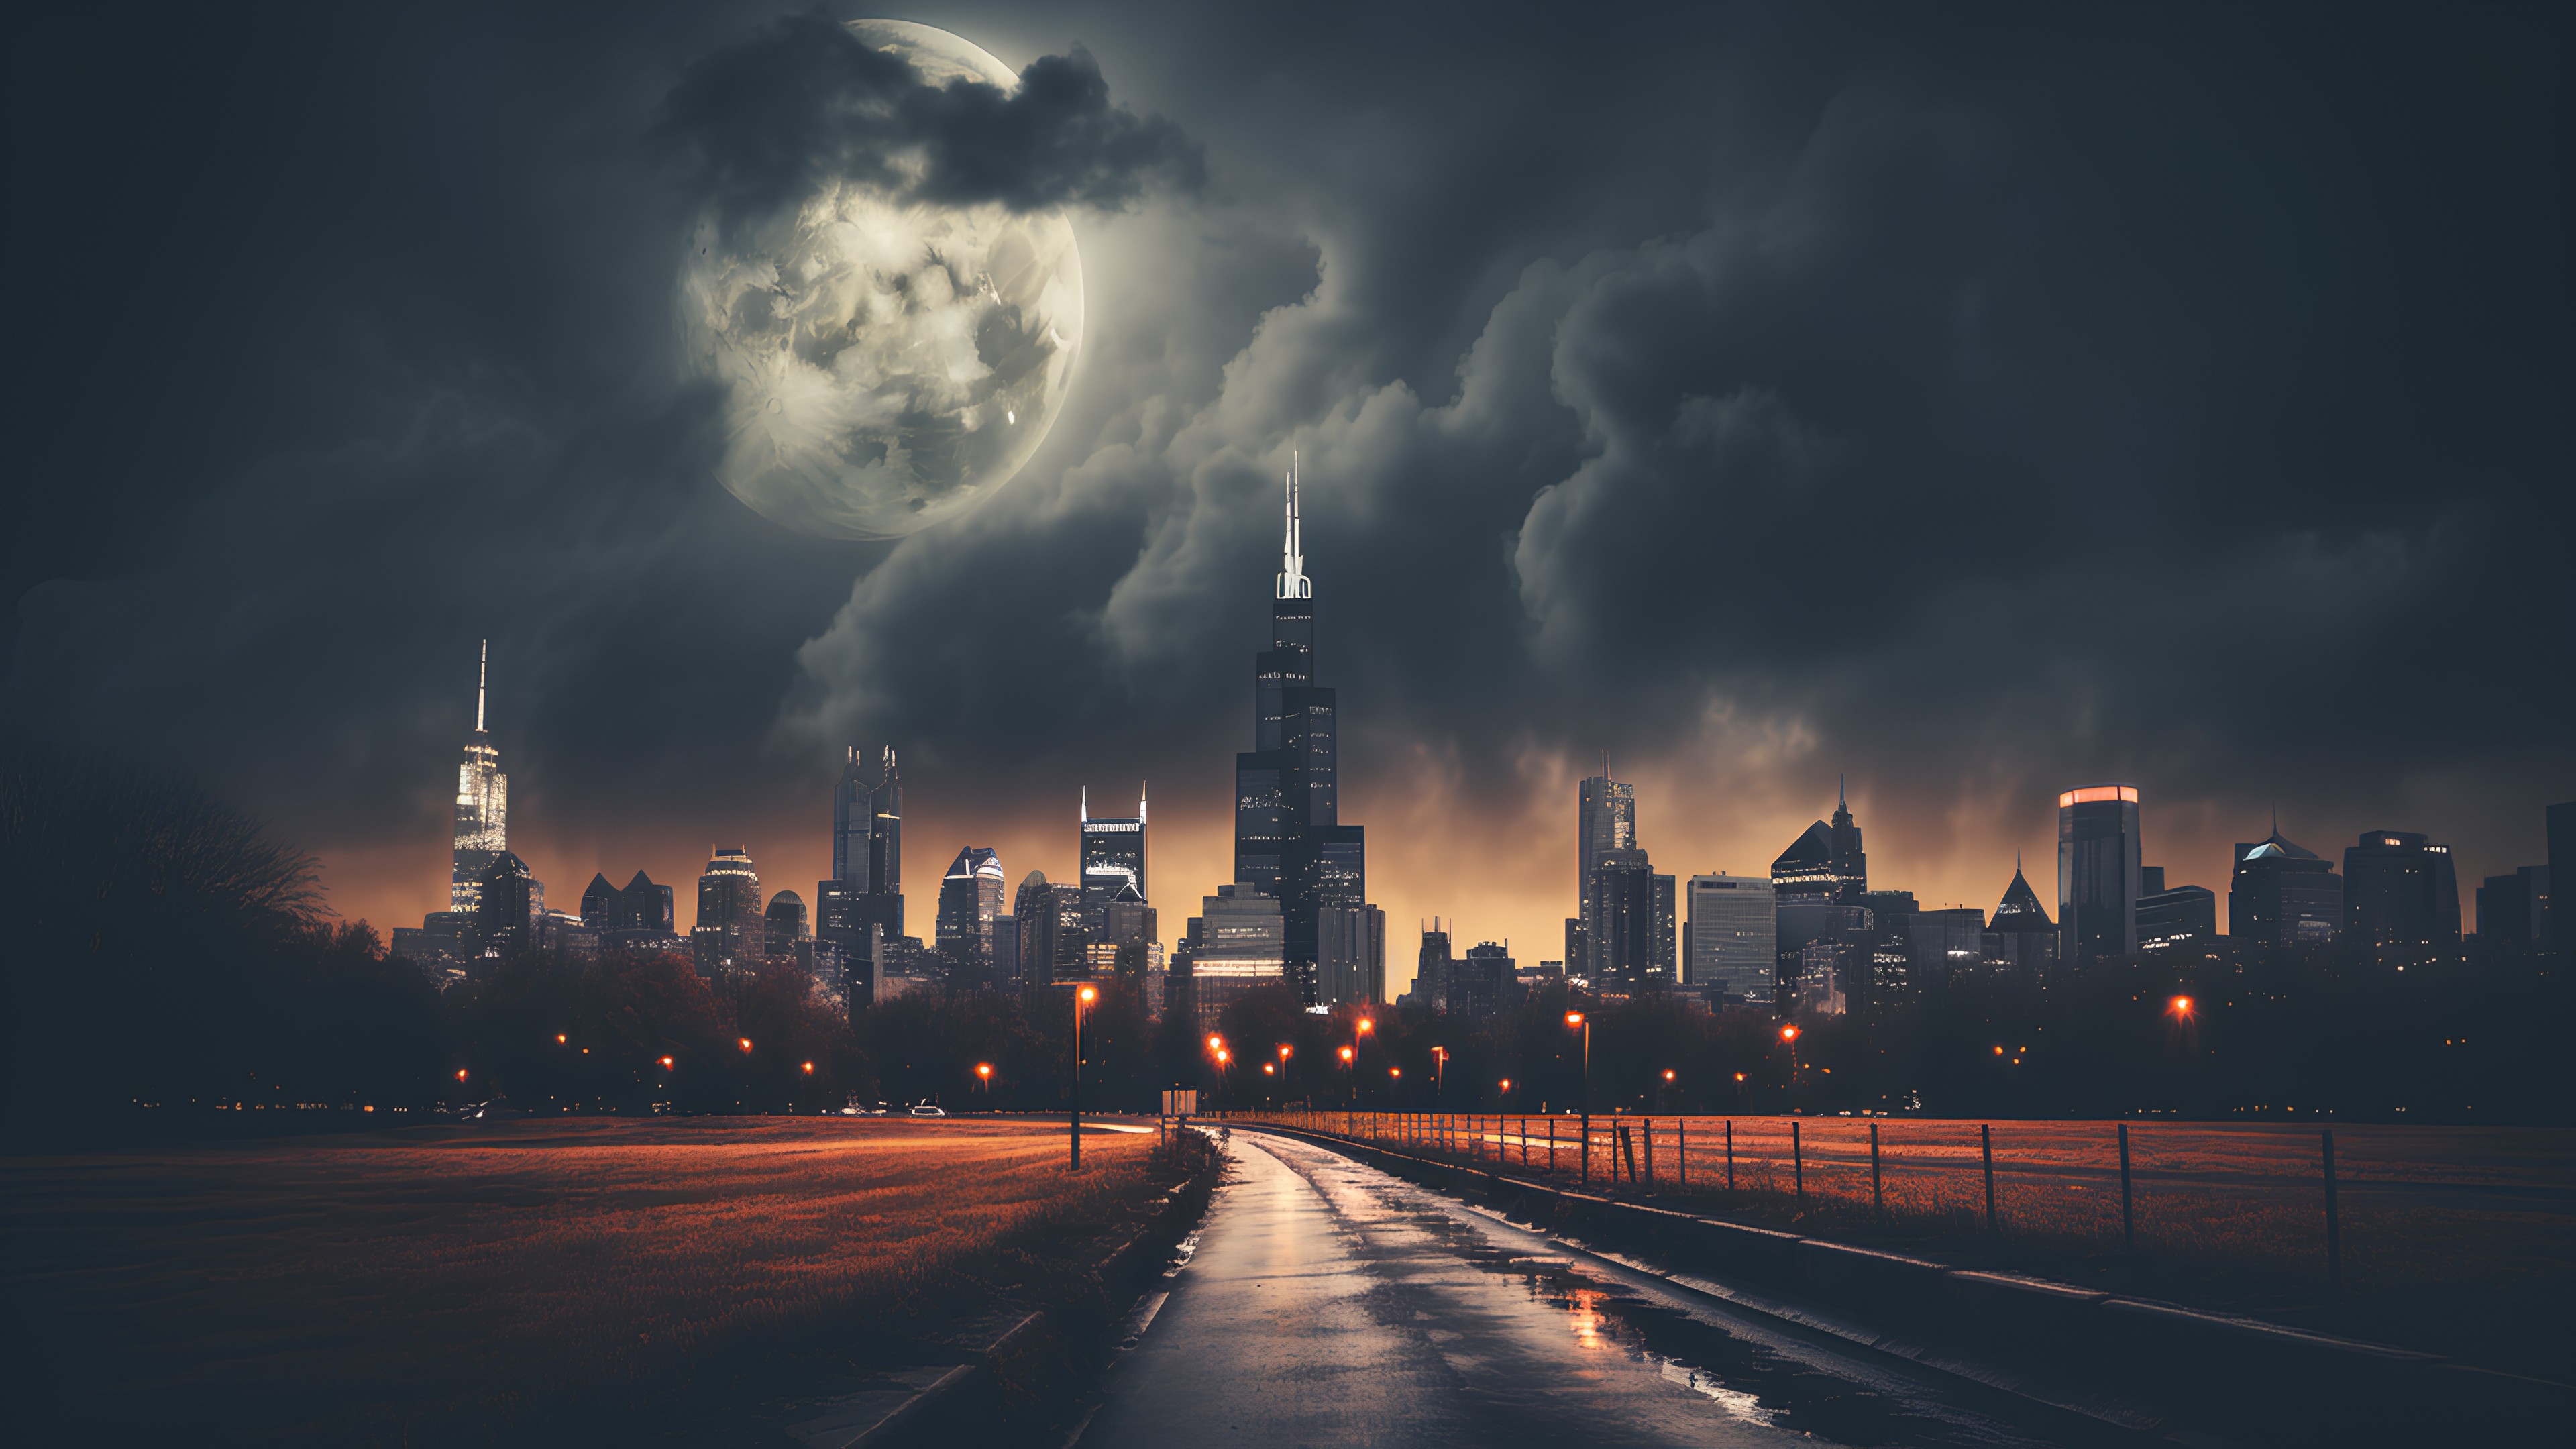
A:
2103, 1343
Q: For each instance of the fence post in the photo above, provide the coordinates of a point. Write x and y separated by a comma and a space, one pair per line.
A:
1877, 1190
1986, 1142
1681, 1151
1650, 1154
2334, 1223
1730, 1156
2128, 1220
1797, 1165
1524, 1142
1551, 1144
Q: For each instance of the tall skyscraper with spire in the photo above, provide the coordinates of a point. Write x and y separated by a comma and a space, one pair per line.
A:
862, 903
1289, 841
482, 804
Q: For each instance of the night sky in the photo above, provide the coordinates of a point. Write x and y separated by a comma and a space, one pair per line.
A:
1970, 401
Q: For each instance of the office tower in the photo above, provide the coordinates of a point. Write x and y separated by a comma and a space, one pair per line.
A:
1605, 819
1623, 930
1113, 853
599, 901
1289, 842
1825, 865
1350, 962
2021, 937
1033, 908
1431, 966
1734, 926
2281, 894
482, 806
2097, 872
970, 896
1486, 979
1006, 948
1237, 946
731, 932
861, 903
2513, 910
784, 925
2562, 868
2400, 894
2167, 919
505, 905
1944, 940
1578, 942
1122, 937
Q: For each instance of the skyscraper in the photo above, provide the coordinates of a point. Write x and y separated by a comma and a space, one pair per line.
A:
1289, 842
2021, 938
1624, 935
1113, 852
731, 931
2400, 893
482, 805
969, 898
2280, 893
2097, 872
1605, 819
505, 901
1236, 947
861, 905
783, 925
1733, 928
1033, 909
1825, 865
2513, 909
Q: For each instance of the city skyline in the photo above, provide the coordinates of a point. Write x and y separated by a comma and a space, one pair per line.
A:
1638, 803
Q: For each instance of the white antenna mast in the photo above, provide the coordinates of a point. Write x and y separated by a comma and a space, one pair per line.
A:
481, 670
1293, 583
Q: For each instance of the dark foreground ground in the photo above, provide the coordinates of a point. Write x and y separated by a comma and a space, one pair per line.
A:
525, 1282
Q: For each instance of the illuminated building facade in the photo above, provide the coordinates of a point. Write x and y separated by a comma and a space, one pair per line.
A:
1237, 945
731, 933
970, 897
2021, 938
1289, 842
482, 805
2097, 873
1605, 819
2280, 893
1734, 926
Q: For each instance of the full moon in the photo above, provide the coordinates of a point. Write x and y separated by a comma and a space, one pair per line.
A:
885, 363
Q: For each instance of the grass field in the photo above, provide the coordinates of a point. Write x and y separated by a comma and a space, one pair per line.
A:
2457, 1239
443, 1284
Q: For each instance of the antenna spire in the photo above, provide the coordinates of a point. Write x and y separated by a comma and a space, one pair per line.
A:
1086, 803
1140, 802
1293, 583
482, 670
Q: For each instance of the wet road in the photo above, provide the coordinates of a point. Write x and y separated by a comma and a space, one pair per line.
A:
1327, 1303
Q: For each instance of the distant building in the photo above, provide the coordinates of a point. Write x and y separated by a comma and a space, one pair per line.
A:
970, 896
2097, 872
2400, 893
506, 904
1034, 914
1825, 864
784, 925
2021, 938
482, 806
1351, 955
861, 903
1237, 945
2513, 909
1006, 947
1825, 969
1113, 852
2171, 919
1734, 935
1431, 966
1290, 844
1605, 820
1666, 963
2281, 894
1624, 946
1484, 980
732, 933
1945, 940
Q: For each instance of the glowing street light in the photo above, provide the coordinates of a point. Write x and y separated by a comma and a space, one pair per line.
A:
666, 1065
460, 1074
559, 1038
744, 1042
984, 1075
1215, 1043
1575, 1020
809, 1069
1083, 996
1347, 1054
2180, 1008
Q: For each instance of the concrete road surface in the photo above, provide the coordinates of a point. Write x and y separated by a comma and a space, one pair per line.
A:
1328, 1303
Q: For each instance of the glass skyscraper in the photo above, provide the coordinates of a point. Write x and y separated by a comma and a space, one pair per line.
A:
482, 806
2097, 872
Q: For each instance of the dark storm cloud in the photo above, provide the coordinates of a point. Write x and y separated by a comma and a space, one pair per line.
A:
762, 123
1973, 401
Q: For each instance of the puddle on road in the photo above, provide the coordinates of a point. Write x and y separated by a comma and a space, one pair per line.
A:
1750, 1382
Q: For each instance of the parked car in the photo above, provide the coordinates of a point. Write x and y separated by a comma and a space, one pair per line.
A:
929, 1109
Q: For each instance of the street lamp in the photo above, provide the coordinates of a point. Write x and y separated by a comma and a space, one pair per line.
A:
1439, 1073
2181, 1008
1789, 1039
983, 1071
1577, 1020
1350, 1111
1083, 996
